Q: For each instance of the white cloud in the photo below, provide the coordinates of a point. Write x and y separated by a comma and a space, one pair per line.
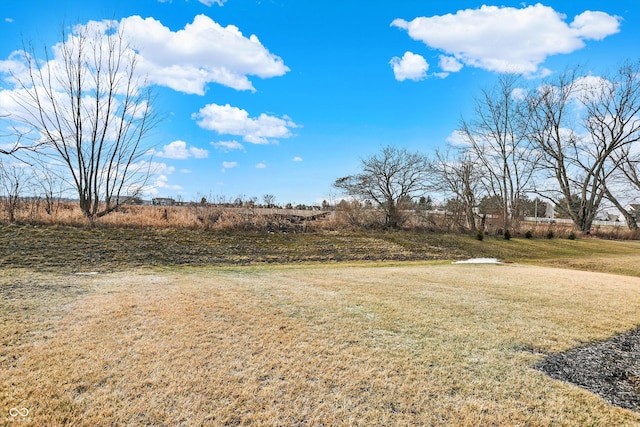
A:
202, 52
457, 139
507, 39
175, 150
450, 64
228, 165
228, 120
158, 168
519, 93
411, 66
441, 75
160, 176
212, 2
205, 2
9, 20
595, 25
185, 60
226, 146
199, 153
14, 65
297, 159
592, 88
162, 181
261, 165
178, 150
185, 171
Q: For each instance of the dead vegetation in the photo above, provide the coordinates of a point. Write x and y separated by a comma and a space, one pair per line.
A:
206, 326
326, 345
227, 218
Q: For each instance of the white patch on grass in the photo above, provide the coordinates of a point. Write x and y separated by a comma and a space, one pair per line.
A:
478, 261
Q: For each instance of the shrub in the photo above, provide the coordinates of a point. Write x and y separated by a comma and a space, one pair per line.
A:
528, 234
507, 234
550, 234
572, 236
480, 235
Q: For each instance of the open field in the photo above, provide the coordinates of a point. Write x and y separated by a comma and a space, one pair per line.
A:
176, 334
411, 344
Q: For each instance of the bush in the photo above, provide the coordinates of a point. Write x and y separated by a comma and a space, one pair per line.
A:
572, 236
528, 234
480, 235
550, 234
507, 234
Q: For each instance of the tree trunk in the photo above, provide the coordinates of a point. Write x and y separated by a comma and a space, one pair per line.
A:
631, 220
392, 219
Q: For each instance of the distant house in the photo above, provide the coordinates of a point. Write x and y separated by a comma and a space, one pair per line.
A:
163, 201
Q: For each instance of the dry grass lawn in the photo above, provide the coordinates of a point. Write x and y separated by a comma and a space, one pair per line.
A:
410, 344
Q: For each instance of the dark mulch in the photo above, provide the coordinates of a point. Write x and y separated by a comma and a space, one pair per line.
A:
610, 369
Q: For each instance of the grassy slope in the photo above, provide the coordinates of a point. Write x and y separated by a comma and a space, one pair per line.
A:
71, 249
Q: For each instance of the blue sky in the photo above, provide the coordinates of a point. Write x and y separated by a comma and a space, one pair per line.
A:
284, 96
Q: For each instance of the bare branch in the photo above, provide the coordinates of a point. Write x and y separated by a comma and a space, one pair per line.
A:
387, 179
92, 112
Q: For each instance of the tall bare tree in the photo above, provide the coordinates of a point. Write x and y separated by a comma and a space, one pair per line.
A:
92, 111
613, 122
582, 147
388, 179
628, 177
496, 138
555, 133
461, 176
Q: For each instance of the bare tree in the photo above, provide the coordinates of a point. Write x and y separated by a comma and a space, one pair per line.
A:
496, 138
387, 179
51, 187
92, 111
613, 121
269, 200
13, 180
555, 135
584, 156
628, 173
461, 176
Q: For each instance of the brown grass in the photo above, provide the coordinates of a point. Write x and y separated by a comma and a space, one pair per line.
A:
200, 216
227, 218
411, 344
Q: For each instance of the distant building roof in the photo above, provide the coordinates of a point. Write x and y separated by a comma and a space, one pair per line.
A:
163, 201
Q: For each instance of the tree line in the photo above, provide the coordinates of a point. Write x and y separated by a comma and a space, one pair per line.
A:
571, 141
